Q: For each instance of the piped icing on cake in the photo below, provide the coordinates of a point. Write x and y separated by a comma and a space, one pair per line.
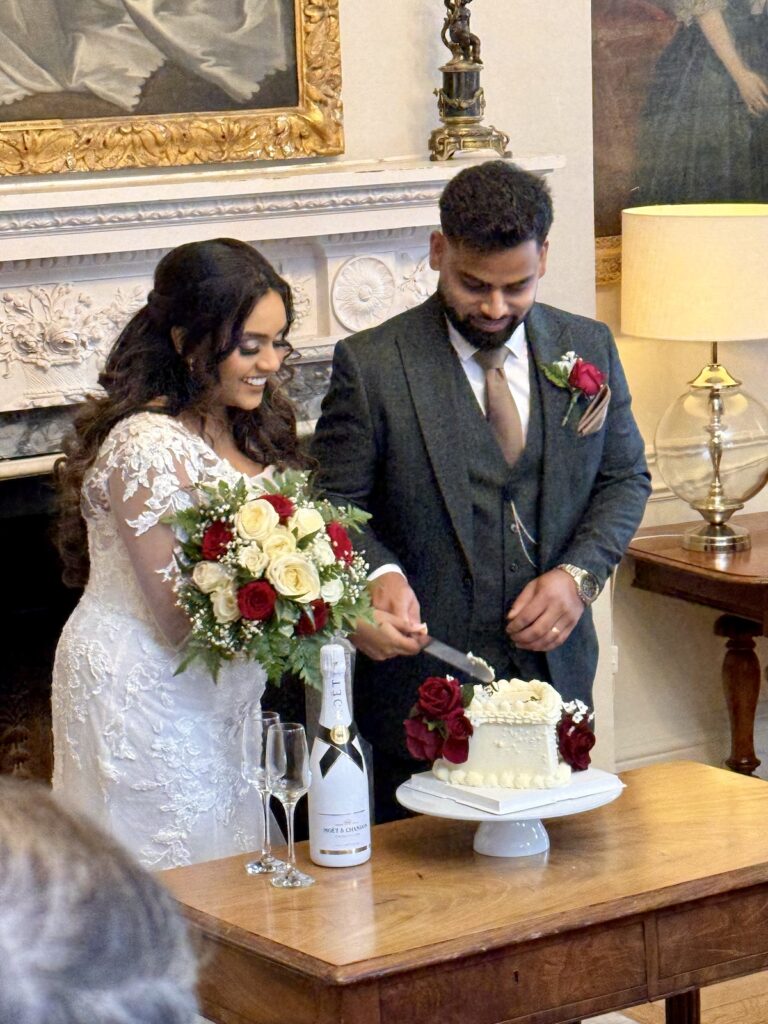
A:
514, 742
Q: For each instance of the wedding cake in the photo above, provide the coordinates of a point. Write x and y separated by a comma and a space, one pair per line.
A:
513, 744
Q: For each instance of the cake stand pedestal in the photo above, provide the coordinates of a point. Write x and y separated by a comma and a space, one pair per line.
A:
517, 833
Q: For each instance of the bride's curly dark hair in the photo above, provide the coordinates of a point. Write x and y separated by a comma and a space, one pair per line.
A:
207, 289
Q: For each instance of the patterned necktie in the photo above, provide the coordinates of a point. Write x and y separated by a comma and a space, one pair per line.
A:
501, 410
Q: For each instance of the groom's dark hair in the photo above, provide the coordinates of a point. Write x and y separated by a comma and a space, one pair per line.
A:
495, 205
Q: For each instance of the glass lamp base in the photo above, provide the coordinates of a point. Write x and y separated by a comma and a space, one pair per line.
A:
720, 537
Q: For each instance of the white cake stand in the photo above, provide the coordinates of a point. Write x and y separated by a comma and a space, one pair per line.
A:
518, 833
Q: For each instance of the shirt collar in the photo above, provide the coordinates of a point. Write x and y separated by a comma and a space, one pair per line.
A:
516, 343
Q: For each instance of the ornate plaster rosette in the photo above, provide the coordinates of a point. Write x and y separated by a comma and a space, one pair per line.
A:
363, 293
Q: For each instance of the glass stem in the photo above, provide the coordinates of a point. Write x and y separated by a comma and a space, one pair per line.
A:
289, 809
266, 848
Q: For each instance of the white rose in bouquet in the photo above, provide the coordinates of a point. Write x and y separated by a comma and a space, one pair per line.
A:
294, 577
305, 521
256, 519
210, 576
224, 604
332, 591
322, 552
253, 558
280, 542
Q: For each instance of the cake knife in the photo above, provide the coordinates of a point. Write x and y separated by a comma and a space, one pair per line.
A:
473, 667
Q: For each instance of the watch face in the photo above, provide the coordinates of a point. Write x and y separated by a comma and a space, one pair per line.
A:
589, 587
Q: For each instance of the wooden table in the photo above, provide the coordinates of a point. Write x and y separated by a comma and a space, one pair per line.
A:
661, 892
736, 584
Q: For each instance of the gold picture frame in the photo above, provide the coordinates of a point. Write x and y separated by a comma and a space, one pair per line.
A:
312, 127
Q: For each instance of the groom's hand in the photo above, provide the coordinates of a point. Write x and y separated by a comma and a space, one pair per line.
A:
398, 629
545, 612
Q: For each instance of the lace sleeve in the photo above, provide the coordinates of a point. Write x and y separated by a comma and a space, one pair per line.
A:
150, 472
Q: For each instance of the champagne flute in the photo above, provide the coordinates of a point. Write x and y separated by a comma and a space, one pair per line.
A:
288, 776
254, 771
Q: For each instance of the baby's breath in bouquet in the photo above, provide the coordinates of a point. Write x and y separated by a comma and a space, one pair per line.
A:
269, 575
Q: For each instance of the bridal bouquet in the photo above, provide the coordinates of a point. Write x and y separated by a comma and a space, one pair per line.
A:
268, 574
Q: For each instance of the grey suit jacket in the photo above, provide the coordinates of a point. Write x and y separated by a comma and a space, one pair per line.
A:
388, 441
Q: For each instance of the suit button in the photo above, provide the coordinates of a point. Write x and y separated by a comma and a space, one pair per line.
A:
513, 527
514, 566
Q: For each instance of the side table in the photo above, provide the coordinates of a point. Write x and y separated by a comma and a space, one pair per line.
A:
736, 584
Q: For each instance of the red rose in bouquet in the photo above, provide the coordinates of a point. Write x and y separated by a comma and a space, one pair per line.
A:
459, 728
340, 542
575, 740
439, 696
307, 625
215, 541
586, 377
424, 744
282, 505
256, 601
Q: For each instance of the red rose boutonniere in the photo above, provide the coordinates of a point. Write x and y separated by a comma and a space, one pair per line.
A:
437, 725
575, 738
579, 377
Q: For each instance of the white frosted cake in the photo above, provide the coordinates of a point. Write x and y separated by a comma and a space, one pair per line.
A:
514, 739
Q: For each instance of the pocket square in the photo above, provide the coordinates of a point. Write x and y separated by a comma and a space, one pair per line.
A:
595, 413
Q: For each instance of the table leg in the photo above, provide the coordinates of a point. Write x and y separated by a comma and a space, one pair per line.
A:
684, 1008
741, 682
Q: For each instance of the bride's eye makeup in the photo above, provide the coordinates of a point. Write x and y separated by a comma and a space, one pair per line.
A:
252, 347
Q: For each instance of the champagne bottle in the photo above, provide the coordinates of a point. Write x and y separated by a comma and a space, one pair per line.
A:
339, 806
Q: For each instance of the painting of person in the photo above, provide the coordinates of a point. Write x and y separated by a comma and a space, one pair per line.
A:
103, 58
681, 103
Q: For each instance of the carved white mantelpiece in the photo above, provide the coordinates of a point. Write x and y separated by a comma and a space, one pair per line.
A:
76, 260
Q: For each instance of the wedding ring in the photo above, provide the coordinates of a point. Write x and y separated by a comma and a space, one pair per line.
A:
556, 631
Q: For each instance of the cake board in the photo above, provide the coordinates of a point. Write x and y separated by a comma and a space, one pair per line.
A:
518, 833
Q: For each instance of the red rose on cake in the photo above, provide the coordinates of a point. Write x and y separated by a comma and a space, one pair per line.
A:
424, 744
575, 738
438, 696
437, 725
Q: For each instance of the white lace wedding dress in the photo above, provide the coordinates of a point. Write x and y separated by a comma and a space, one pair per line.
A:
152, 757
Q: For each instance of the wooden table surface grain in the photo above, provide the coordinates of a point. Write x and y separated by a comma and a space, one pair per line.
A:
614, 889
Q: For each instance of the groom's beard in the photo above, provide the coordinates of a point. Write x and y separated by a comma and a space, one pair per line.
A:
474, 335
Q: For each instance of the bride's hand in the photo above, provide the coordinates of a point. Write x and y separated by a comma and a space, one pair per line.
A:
398, 629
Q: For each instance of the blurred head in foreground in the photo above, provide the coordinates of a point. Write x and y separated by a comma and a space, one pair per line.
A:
86, 935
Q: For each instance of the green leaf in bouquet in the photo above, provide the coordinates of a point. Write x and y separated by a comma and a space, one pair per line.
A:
306, 540
467, 694
286, 611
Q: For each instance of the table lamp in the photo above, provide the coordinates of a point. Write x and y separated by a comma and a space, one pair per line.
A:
699, 272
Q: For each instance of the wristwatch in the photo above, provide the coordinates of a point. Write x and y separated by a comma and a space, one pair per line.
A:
587, 586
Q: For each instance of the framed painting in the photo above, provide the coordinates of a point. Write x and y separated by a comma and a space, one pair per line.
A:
680, 108
90, 86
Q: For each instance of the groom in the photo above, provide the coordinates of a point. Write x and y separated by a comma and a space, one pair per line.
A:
504, 477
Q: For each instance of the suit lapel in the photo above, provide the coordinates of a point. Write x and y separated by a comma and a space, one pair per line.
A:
548, 340
429, 363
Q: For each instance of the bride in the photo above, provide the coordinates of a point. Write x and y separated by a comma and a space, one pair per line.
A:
192, 395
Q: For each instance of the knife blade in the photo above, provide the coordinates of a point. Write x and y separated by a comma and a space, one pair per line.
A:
451, 656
